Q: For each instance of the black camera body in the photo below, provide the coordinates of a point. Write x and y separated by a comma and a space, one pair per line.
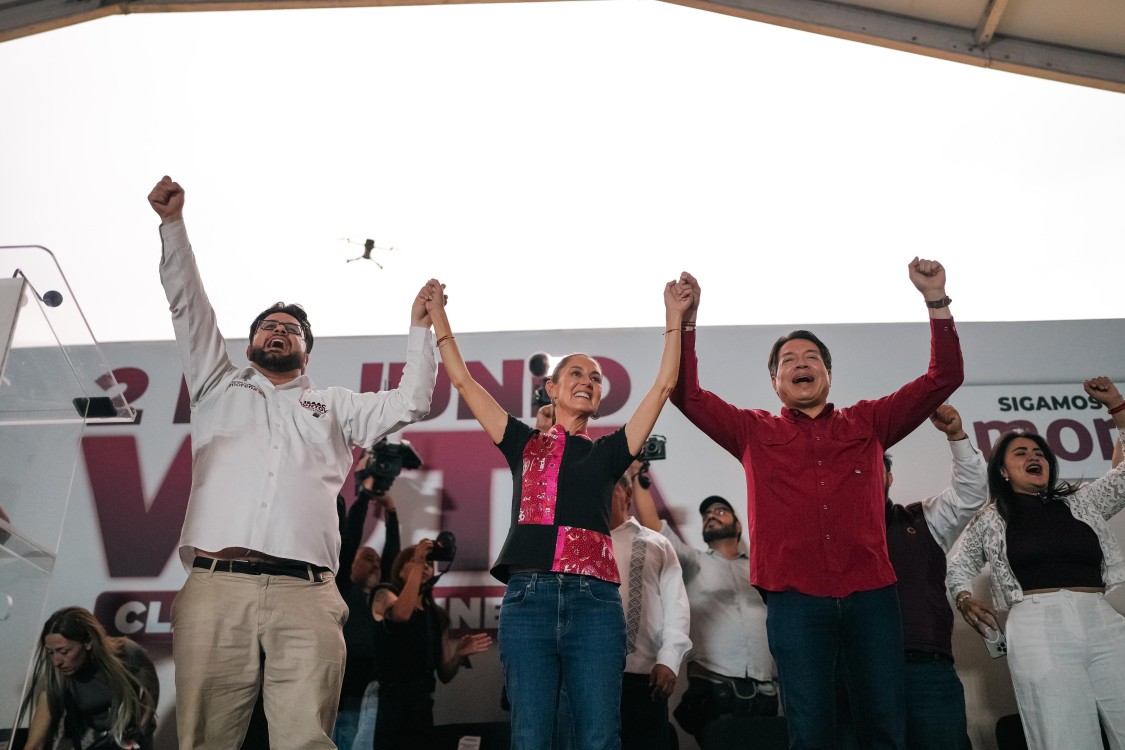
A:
539, 397
656, 449
444, 549
387, 460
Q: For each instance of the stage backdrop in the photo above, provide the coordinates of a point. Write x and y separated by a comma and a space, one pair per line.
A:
118, 551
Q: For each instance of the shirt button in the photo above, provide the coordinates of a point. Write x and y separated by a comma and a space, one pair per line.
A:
265, 505
822, 484
826, 507
827, 536
818, 463
271, 473
275, 448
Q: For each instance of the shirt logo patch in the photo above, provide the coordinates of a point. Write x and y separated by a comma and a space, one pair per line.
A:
317, 409
244, 384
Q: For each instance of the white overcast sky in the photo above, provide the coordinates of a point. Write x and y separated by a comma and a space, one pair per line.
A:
554, 164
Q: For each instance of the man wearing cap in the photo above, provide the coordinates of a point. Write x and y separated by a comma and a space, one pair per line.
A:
730, 654
815, 506
261, 536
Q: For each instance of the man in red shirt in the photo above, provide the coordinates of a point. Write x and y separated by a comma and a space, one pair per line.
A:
815, 507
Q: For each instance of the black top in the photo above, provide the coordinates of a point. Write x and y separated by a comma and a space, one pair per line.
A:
1048, 548
919, 563
408, 653
88, 699
581, 496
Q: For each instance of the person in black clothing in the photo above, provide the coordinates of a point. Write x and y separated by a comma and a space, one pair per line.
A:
410, 647
103, 690
361, 569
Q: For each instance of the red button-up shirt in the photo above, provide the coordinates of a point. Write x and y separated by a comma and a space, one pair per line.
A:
815, 487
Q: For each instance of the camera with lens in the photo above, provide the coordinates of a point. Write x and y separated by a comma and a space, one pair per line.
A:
444, 549
387, 460
656, 449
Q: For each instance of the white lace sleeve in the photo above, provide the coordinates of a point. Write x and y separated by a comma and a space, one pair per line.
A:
1107, 494
969, 559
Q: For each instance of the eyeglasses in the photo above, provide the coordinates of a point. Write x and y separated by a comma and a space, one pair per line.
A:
273, 325
717, 511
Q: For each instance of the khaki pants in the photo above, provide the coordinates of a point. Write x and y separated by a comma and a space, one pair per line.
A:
230, 627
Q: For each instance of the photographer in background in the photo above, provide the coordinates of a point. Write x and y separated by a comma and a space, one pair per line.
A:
411, 646
361, 569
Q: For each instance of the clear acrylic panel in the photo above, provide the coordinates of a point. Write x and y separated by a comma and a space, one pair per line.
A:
54, 380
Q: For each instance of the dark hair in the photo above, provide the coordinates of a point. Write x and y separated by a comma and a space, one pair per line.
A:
999, 487
802, 336
129, 700
397, 580
296, 311
887, 462
401, 559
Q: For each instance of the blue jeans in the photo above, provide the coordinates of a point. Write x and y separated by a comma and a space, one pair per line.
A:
863, 632
355, 722
558, 629
935, 708
347, 720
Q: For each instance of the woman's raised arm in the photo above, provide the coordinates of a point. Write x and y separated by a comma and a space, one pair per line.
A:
490, 414
677, 301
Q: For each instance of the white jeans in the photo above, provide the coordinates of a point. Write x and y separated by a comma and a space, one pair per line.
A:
1066, 652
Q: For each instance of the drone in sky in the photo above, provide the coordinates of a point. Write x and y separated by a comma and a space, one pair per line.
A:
369, 246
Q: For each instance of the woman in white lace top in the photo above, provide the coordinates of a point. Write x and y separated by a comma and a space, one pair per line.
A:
1052, 558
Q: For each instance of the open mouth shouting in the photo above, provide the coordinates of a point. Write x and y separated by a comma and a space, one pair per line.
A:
1026, 466
277, 355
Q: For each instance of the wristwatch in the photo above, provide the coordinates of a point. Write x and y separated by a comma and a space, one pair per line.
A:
937, 304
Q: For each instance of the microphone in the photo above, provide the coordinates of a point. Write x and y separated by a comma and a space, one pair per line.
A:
537, 364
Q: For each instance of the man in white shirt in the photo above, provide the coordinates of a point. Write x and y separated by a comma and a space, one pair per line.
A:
730, 669
261, 538
656, 623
